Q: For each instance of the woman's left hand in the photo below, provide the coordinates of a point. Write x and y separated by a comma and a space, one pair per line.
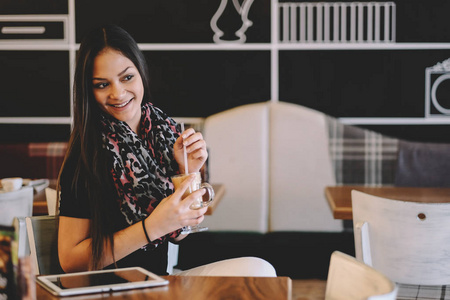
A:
195, 149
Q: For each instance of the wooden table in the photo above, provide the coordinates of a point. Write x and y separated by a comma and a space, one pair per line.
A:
198, 288
340, 200
40, 204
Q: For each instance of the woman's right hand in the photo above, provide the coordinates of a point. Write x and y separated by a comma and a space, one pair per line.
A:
195, 150
174, 212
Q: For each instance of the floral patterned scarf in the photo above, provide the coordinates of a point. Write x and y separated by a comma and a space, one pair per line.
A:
142, 165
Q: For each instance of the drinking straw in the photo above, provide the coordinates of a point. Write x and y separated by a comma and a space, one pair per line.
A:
184, 152
185, 157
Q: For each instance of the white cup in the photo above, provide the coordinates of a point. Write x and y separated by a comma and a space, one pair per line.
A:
12, 184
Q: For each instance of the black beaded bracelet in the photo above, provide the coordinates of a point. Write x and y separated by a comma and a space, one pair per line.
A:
145, 231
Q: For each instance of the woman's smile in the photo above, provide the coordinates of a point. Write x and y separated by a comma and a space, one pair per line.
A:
122, 105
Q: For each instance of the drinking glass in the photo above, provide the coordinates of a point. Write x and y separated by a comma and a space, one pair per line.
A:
200, 202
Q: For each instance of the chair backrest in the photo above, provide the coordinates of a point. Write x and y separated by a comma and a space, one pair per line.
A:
23, 247
350, 279
16, 204
300, 168
51, 198
423, 164
257, 156
239, 159
43, 239
407, 241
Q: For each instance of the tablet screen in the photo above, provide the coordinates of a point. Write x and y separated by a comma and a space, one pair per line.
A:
100, 281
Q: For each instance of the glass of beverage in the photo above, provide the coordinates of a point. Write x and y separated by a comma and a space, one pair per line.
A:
200, 202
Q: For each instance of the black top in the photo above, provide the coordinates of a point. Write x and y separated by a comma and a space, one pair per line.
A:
74, 204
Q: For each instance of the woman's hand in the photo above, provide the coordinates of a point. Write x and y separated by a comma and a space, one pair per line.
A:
174, 212
195, 149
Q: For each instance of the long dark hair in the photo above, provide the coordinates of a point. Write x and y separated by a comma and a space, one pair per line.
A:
92, 170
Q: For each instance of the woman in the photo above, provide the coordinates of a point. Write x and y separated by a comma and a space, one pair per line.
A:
117, 205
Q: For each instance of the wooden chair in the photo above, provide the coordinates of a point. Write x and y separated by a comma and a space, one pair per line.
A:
51, 199
43, 239
23, 247
407, 241
349, 279
43, 245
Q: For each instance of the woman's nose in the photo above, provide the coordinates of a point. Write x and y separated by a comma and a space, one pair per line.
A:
117, 91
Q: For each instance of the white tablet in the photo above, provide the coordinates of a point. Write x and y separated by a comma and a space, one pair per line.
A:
100, 281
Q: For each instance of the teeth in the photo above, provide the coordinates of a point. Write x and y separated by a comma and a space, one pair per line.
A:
121, 105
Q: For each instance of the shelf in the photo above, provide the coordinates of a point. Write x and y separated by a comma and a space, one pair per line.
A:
62, 46
36, 46
57, 46
362, 46
206, 47
396, 121
36, 120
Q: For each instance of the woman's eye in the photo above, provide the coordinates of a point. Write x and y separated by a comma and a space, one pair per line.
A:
101, 85
128, 77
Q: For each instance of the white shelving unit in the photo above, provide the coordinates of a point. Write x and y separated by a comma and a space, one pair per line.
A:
275, 46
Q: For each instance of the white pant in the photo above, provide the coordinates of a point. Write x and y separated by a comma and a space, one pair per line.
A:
243, 266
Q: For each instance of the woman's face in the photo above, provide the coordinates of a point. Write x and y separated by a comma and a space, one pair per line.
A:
118, 87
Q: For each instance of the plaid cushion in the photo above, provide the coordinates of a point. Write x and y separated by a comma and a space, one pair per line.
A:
51, 155
361, 156
425, 292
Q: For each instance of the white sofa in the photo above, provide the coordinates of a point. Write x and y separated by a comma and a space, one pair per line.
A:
274, 160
